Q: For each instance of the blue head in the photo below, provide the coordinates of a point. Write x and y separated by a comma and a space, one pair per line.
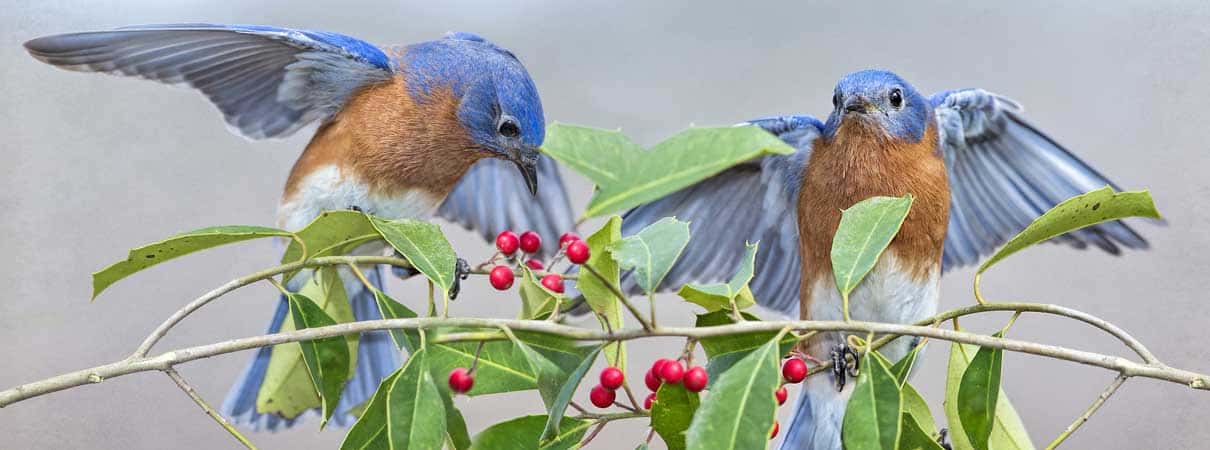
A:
880, 99
498, 102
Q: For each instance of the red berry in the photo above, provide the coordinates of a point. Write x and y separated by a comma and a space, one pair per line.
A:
554, 282
781, 395
659, 364
577, 252
507, 242
696, 379
612, 378
776, 428
530, 242
601, 397
653, 381
461, 380
501, 277
672, 372
534, 264
649, 400
794, 370
567, 238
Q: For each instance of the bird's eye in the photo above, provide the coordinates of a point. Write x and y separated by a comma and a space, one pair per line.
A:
509, 128
836, 100
896, 97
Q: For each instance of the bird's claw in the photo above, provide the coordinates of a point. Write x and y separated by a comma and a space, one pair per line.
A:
845, 363
462, 269
943, 439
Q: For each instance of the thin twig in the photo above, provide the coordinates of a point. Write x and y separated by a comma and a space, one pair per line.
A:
621, 297
192, 393
1096, 404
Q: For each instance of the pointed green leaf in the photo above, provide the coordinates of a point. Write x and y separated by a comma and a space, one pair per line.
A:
915, 438
652, 251
568, 389
331, 233
627, 176
326, 359
915, 406
724, 351
549, 377
865, 231
1078, 212
1008, 432
391, 309
718, 296
672, 412
903, 368
179, 245
739, 411
977, 395
871, 418
503, 366
411, 400
595, 291
522, 433
370, 431
537, 302
423, 245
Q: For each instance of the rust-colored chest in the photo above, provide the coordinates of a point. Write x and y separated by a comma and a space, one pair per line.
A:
858, 164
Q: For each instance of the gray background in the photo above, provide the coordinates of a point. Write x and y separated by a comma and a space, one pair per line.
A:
94, 165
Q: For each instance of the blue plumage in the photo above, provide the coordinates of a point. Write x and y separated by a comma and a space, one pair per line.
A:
906, 121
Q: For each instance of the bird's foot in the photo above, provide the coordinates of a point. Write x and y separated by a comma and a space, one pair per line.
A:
845, 363
355, 208
462, 269
403, 272
943, 439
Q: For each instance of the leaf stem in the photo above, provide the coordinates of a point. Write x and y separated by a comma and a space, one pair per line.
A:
1096, 404
210, 411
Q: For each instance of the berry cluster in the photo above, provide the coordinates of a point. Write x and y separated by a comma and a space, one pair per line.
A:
529, 242
670, 371
603, 394
793, 371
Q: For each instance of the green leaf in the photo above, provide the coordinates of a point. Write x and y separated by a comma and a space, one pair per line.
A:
559, 406
411, 421
652, 251
724, 351
287, 389
596, 293
871, 418
522, 433
455, 424
370, 431
627, 176
977, 395
179, 245
503, 366
672, 412
332, 233
915, 438
423, 245
865, 231
1008, 432
326, 359
718, 296
915, 406
537, 302
739, 411
1078, 212
549, 377
903, 368
391, 309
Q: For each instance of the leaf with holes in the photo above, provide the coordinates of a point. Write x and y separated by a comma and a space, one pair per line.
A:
865, 231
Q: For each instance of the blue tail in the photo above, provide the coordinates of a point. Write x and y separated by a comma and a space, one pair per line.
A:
817, 417
377, 357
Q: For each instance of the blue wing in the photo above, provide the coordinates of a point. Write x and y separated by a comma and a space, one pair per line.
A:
1004, 173
267, 81
492, 197
758, 201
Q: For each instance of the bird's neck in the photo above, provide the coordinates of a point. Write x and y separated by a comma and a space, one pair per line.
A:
856, 164
391, 143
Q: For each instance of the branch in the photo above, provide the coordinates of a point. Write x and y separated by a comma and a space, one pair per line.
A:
1096, 404
164, 361
192, 393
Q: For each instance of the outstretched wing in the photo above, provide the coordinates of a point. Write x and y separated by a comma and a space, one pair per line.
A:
492, 197
1004, 173
754, 201
267, 81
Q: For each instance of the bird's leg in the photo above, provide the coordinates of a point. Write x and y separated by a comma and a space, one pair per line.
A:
462, 269
845, 363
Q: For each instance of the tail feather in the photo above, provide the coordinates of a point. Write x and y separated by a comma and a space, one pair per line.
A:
377, 357
817, 416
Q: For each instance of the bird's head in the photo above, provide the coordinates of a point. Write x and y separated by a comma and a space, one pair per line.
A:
880, 102
498, 103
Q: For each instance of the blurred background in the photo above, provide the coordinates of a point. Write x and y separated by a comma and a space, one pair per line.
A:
94, 165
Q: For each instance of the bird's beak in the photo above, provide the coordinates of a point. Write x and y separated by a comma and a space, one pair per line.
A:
857, 104
526, 159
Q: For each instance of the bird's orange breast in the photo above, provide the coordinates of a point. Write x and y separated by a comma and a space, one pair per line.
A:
859, 163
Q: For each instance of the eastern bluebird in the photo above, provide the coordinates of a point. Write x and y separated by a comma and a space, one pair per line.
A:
404, 131
979, 174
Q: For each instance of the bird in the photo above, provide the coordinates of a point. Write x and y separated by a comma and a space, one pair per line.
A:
978, 172
448, 127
